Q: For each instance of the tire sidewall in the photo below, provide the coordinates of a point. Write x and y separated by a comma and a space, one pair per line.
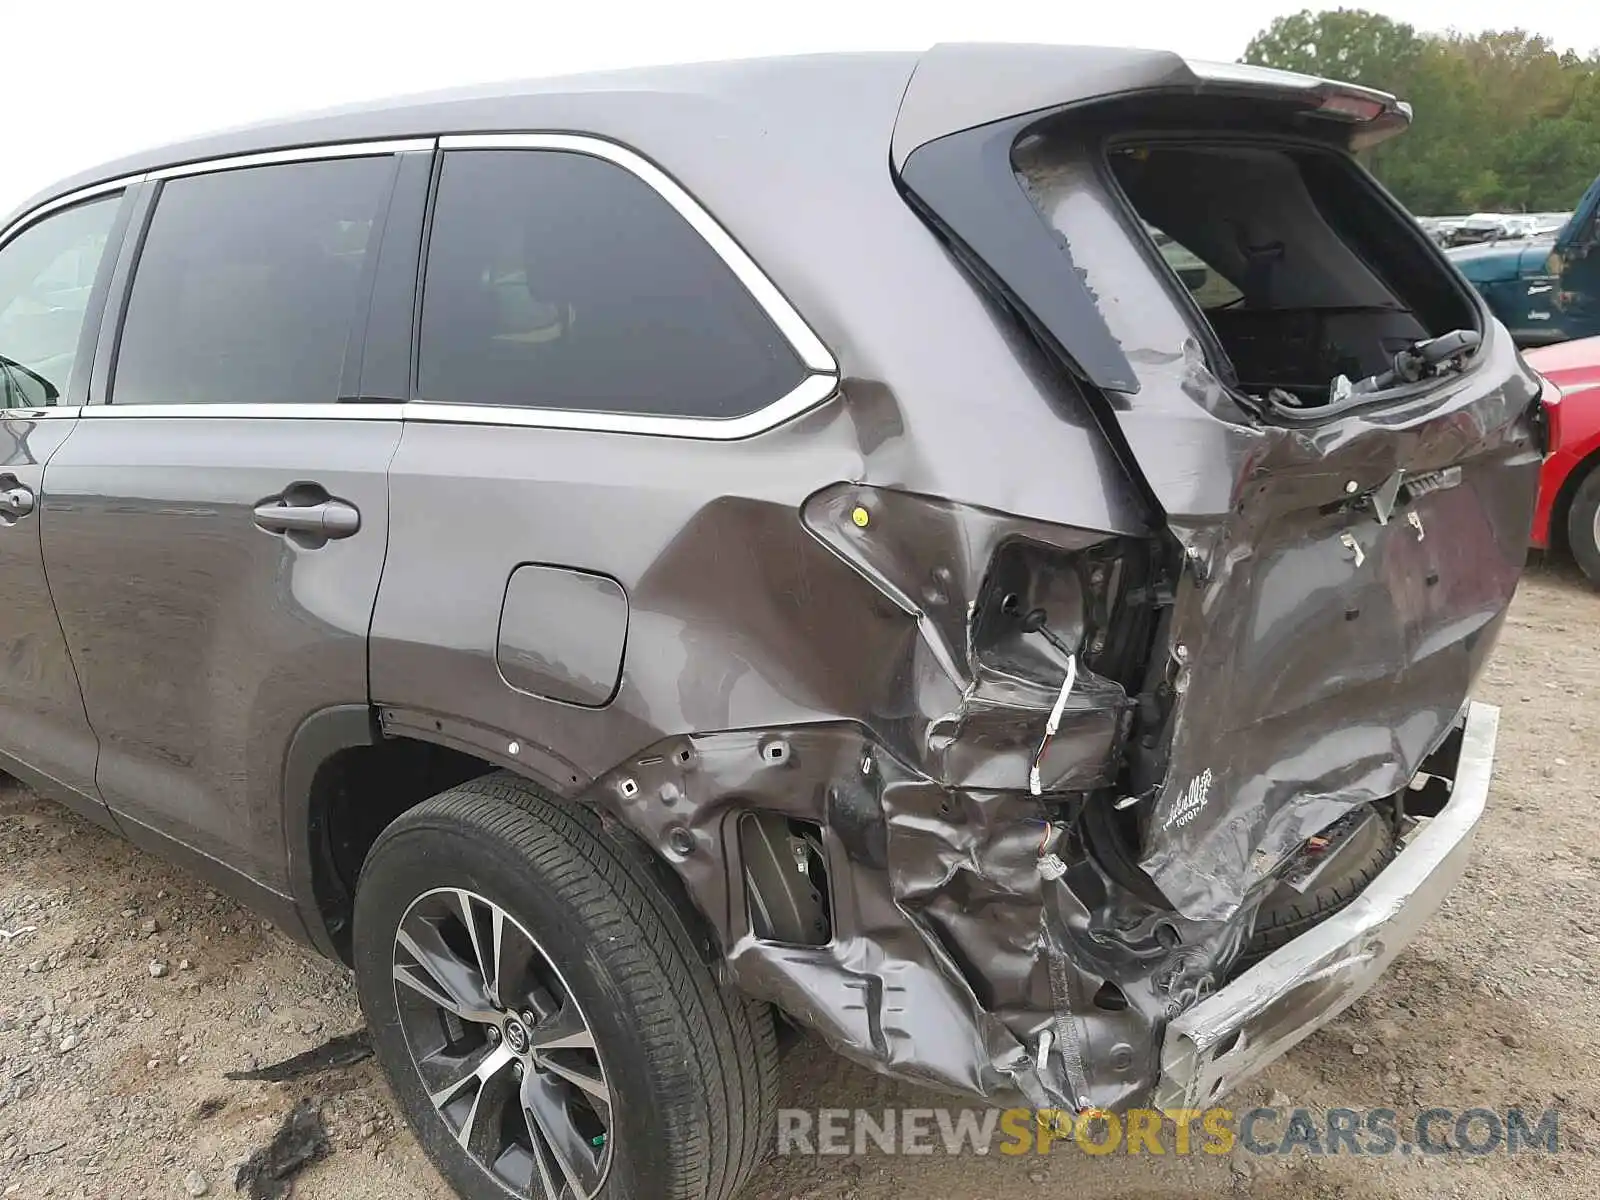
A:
1580, 525
1286, 914
438, 853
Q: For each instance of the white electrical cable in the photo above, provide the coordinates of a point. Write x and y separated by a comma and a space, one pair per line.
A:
1054, 723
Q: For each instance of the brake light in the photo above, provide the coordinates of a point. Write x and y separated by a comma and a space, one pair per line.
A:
1357, 108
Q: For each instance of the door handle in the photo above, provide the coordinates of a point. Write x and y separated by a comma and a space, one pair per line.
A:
308, 519
16, 501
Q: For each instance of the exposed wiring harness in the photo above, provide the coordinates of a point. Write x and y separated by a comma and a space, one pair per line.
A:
1053, 723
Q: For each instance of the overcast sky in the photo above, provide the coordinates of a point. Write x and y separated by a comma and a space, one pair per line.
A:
84, 82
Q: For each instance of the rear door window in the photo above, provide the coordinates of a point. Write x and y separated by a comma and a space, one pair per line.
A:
559, 280
249, 283
47, 273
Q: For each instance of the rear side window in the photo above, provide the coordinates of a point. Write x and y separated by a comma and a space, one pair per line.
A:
559, 280
248, 284
47, 273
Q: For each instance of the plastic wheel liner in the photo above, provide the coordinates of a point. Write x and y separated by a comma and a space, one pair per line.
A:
1095, 754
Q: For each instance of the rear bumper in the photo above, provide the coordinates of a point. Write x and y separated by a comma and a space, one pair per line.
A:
1231, 1035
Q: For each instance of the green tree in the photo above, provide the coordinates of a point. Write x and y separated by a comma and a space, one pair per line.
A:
1503, 120
1349, 44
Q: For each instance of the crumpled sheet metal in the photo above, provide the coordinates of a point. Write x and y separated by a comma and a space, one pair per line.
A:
1313, 678
930, 557
883, 991
949, 948
1319, 676
951, 952
1216, 1045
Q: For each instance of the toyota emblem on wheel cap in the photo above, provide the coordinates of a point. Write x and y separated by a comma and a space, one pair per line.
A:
516, 1036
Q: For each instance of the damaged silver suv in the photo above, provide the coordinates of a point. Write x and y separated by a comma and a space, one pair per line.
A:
980, 555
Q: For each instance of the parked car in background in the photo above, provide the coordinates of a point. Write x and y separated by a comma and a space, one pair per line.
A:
1479, 227
1493, 227
625, 562
1544, 288
1539, 224
1440, 229
1569, 487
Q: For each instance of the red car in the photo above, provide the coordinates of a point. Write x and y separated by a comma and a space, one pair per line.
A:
1569, 488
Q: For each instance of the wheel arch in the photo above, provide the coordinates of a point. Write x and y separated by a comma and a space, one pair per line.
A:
344, 781
351, 770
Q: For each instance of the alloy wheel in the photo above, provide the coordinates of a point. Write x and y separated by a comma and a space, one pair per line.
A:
502, 1047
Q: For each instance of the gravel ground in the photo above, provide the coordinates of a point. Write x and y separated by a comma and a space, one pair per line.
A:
138, 988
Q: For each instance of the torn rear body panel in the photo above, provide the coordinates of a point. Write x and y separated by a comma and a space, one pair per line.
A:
1096, 754
1140, 564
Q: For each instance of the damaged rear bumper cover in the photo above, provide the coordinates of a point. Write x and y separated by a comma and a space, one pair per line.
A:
1215, 1046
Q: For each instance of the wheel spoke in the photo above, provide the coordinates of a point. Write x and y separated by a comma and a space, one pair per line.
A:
548, 1186
497, 944
472, 1135
469, 918
551, 1120
485, 949
564, 1031
425, 986
591, 1084
439, 975
449, 1067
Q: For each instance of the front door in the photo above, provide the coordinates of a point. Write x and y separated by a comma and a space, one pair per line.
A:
48, 275
216, 527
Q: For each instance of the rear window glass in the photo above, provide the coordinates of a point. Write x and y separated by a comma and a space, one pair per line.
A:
1299, 271
1209, 287
560, 280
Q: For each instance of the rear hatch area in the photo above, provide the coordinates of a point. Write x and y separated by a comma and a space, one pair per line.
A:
1338, 450
1249, 317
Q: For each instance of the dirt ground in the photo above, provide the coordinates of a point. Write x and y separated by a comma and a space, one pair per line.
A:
111, 1076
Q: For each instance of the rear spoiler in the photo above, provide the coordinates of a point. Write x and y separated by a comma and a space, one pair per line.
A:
959, 86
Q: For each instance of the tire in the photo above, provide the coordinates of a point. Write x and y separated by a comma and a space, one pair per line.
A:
1286, 913
690, 1068
1583, 525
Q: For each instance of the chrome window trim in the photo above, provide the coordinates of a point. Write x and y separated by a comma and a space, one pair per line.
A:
819, 385
349, 410
206, 166
270, 158
811, 392
92, 192
40, 414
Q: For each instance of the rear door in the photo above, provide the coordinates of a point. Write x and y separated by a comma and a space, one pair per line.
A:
589, 342
53, 273
215, 534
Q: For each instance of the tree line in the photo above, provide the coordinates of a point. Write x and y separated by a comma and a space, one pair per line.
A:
1504, 122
